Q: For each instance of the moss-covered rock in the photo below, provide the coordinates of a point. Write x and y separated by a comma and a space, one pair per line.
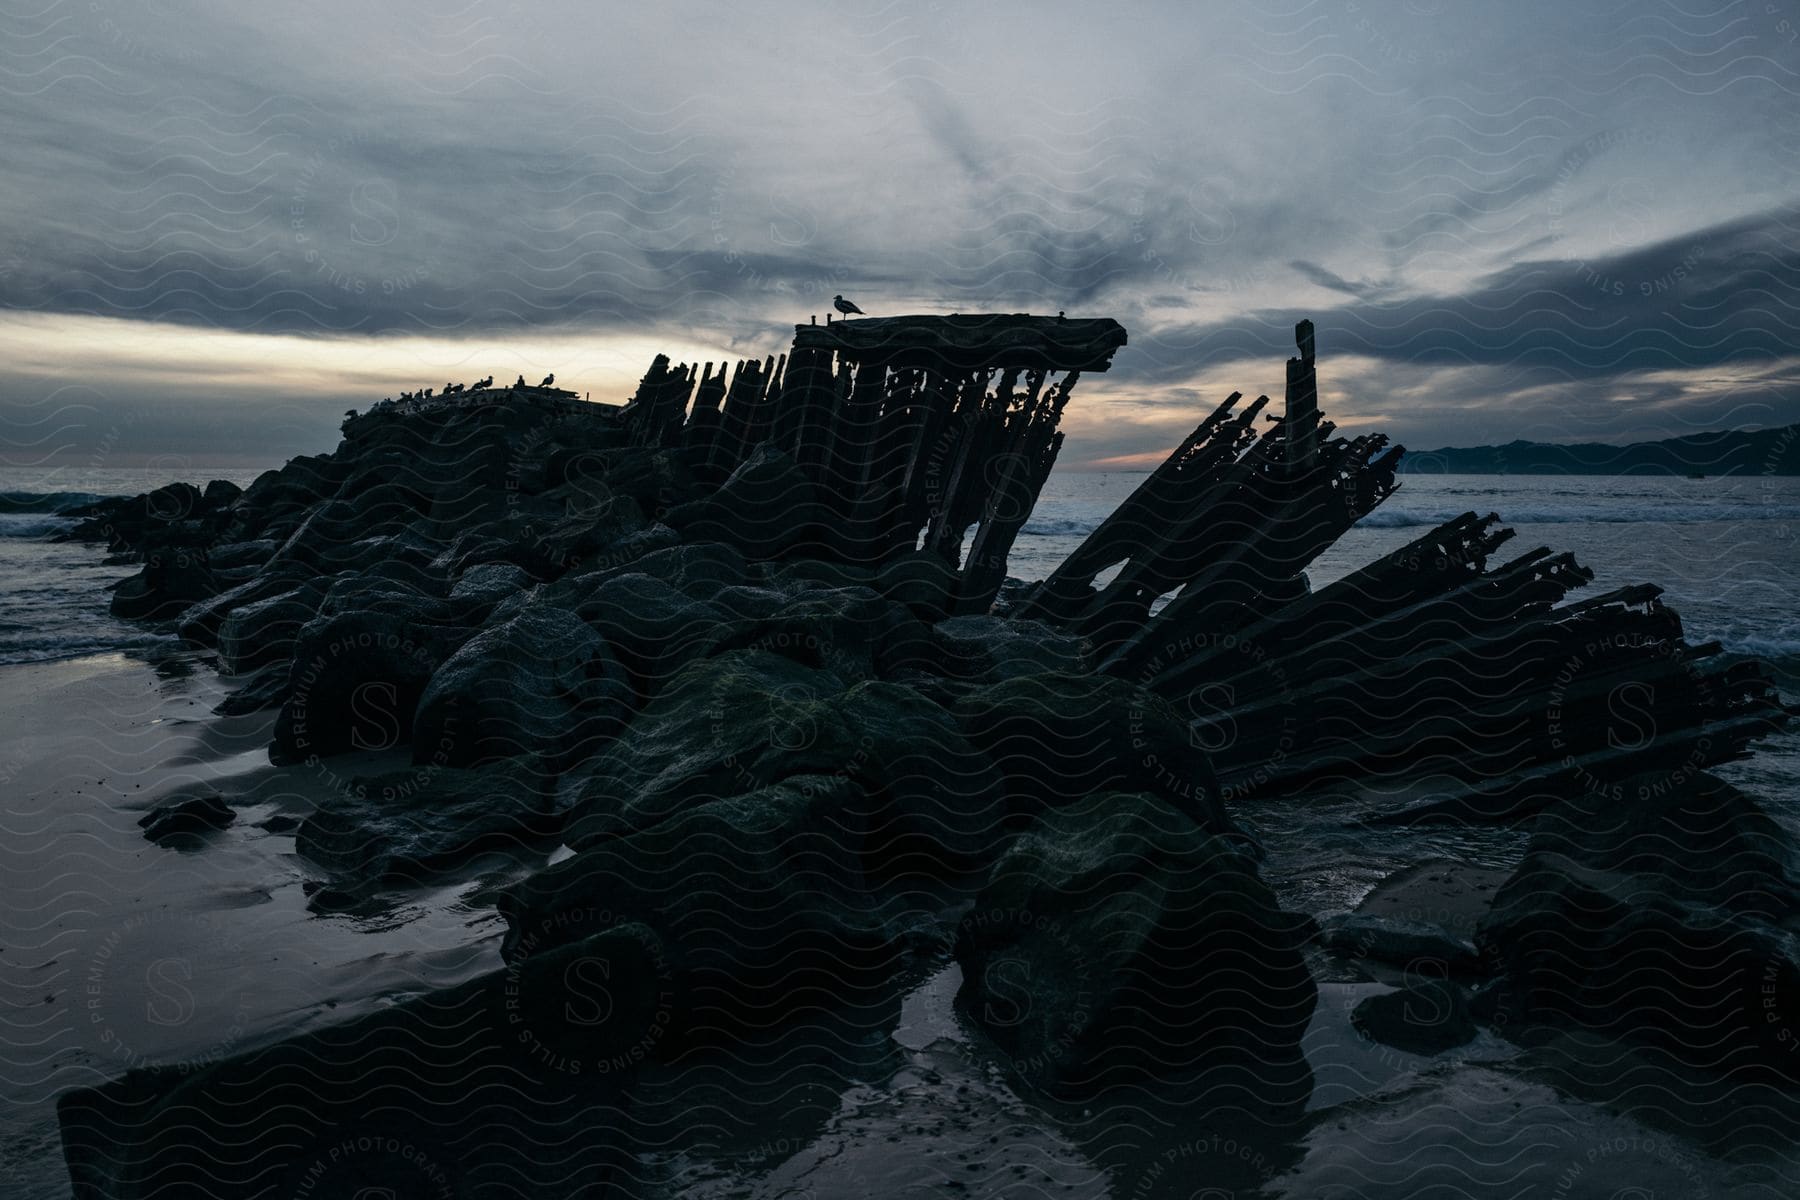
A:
1120, 946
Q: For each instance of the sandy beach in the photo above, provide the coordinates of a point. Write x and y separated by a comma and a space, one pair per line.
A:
120, 953
116, 952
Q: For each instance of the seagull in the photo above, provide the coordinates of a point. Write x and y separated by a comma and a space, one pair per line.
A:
845, 307
548, 380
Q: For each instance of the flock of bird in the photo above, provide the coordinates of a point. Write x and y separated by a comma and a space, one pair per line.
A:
846, 307
480, 385
453, 389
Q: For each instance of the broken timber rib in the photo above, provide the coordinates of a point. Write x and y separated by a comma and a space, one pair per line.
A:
1426, 669
911, 431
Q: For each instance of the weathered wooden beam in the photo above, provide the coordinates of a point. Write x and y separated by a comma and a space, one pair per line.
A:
970, 343
1029, 454
1302, 416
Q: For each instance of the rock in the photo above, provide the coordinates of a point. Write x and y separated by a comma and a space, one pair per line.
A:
408, 569
174, 502
1399, 942
285, 491
851, 631
541, 682
187, 818
700, 569
200, 624
483, 586
266, 631
453, 1093
1684, 887
627, 550
407, 827
722, 726
234, 576
990, 649
922, 581
749, 718
266, 689
351, 535
759, 900
1698, 838
1058, 738
1450, 894
1428, 1016
230, 555
372, 593
655, 479
1012, 593
580, 463
355, 684
491, 543
560, 545
173, 517
1118, 945
763, 508
749, 602
170, 582
473, 482
804, 574
220, 493
653, 626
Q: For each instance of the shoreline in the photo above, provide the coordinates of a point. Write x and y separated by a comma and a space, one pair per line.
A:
182, 921
118, 952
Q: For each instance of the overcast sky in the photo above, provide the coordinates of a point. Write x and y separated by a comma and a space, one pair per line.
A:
222, 224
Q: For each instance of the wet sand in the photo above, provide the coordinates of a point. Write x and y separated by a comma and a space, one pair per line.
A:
115, 952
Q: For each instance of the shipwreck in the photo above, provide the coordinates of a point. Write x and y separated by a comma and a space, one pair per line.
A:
743, 649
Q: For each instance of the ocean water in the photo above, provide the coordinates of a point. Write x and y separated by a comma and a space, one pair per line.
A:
54, 595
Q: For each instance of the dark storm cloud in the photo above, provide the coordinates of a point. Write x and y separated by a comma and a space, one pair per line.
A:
947, 125
1337, 283
1551, 194
283, 217
1723, 294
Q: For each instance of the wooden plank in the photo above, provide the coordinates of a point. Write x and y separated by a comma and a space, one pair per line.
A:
968, 343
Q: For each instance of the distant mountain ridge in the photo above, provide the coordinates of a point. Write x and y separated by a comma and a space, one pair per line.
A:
1718, 452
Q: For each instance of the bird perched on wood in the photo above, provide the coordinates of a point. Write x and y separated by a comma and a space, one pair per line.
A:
548, 380
845, 307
